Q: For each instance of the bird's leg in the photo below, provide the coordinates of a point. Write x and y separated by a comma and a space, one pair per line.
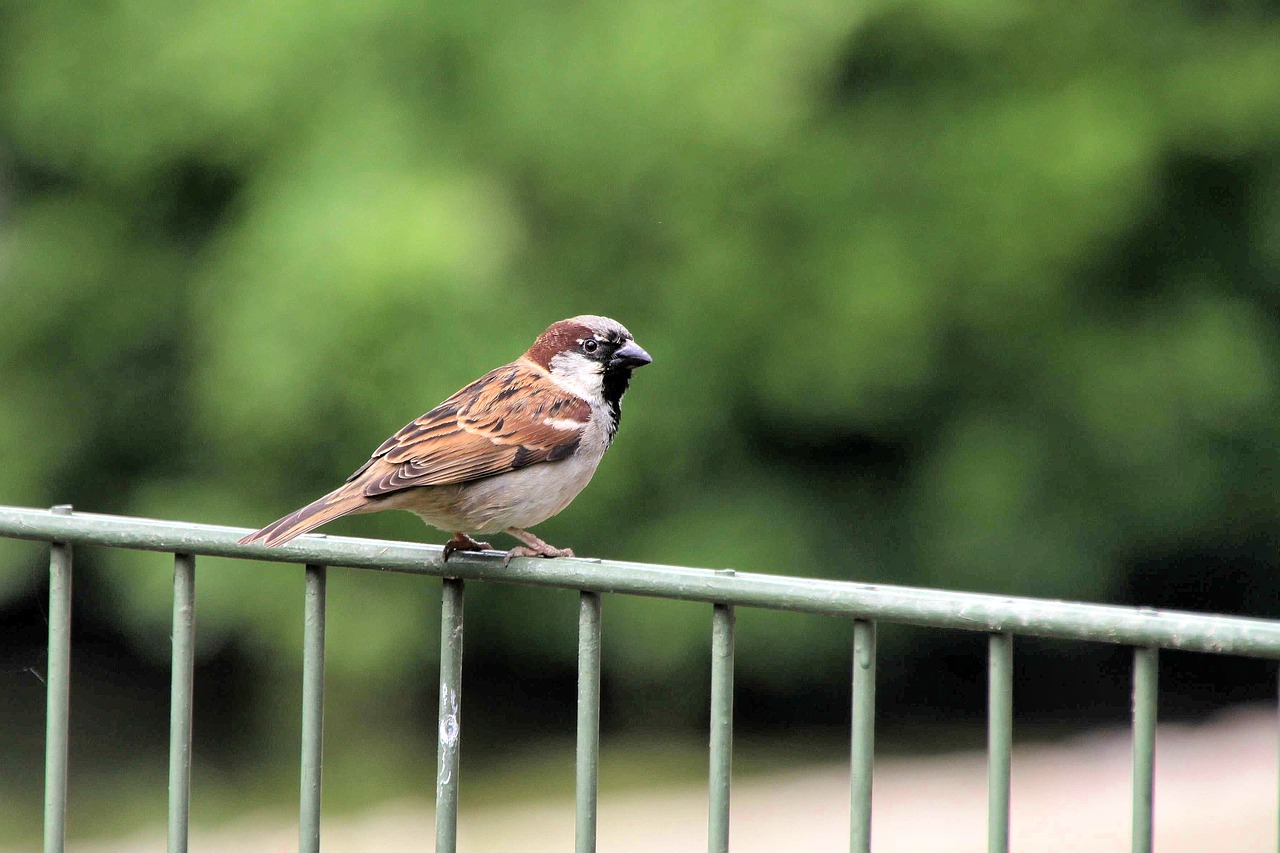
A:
533, 547
463, 542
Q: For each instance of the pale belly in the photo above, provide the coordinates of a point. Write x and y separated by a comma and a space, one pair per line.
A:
518, 499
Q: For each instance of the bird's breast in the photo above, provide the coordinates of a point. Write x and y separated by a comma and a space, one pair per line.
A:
520, 498
528, 496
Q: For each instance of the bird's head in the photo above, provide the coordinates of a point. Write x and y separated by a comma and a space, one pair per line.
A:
589, 355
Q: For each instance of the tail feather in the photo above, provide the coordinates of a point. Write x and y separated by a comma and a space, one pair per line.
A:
336, 504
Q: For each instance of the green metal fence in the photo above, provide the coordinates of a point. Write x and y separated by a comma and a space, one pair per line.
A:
1145, 630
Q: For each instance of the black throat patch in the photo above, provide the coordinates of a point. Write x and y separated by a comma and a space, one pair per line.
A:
613, 386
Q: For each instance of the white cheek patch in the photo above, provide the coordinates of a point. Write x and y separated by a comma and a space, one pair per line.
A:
578, 374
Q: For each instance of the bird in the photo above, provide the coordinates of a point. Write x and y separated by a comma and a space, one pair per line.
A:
504, 453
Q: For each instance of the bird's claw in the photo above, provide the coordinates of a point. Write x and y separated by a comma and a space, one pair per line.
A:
548, 551
463, 542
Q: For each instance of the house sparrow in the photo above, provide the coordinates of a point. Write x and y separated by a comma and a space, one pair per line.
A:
506, 452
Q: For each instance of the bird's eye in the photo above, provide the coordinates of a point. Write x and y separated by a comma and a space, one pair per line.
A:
590, 345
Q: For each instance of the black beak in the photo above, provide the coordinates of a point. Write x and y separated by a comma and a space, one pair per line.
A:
630, 355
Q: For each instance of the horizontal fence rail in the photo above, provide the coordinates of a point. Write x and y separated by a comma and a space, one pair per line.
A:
1105, 623
865, 605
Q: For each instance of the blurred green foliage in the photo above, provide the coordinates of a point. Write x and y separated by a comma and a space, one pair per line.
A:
973, 294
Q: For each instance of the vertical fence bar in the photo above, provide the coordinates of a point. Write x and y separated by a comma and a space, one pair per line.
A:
312, 708
862, 741
999, 739
588, 720
1145, 662
181, 679
58, 687
1278, 755
450, 716
722, 622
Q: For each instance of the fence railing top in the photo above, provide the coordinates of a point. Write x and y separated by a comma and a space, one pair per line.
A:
930, 607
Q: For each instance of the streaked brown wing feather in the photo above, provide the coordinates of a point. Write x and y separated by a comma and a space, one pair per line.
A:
496, 424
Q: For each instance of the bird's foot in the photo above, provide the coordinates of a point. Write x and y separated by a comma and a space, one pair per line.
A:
533, 547
463, 542
522, 551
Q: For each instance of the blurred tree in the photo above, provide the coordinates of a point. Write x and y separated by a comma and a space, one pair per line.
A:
981, 295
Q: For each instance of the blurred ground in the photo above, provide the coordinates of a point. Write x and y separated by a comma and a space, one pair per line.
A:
1216, 790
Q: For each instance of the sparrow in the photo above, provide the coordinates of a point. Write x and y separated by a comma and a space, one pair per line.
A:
506, 452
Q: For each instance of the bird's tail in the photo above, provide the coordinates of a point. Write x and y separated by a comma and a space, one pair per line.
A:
339, 502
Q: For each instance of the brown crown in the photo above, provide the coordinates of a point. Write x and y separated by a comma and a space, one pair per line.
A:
559, 337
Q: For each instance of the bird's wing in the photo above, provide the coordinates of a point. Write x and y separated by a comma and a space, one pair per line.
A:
508, 419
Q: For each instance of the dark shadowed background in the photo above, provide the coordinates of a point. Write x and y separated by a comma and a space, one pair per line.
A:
983, 296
